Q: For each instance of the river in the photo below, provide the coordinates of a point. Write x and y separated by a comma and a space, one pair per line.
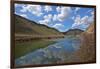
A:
55, 53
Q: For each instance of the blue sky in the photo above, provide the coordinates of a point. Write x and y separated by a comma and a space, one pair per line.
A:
61, 18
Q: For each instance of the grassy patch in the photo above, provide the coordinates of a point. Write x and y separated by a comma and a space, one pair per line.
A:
22, 48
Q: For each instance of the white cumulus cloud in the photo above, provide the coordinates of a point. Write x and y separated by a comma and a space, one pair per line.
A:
77, 9
63, 13
33, 9
24, 8
58, 9
77, 21
55, 17
47, 8
47, 19
84, 21
58, 26
24, 15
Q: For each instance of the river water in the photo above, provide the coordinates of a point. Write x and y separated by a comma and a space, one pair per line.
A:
55, 53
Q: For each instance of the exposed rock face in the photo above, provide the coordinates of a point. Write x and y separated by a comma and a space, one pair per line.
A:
87, 51
91, 28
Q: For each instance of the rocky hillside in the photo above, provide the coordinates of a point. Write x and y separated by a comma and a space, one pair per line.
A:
91, 28
87, 51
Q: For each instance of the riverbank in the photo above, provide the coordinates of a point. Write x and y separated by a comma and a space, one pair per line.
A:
22, 48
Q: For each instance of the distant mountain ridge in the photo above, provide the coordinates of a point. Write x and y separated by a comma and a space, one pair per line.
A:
28, 27
73, 32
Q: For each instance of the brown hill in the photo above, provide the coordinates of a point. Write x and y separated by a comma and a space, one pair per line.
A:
25, 26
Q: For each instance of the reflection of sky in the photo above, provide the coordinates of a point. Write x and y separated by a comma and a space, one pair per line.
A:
59, 17
59, 51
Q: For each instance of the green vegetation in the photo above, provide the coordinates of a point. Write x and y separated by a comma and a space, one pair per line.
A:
22, 48
25, 26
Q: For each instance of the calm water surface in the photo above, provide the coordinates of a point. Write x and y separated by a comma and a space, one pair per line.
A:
55, 53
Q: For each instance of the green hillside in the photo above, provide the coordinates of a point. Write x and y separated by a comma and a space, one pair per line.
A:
30, 36
25, 26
